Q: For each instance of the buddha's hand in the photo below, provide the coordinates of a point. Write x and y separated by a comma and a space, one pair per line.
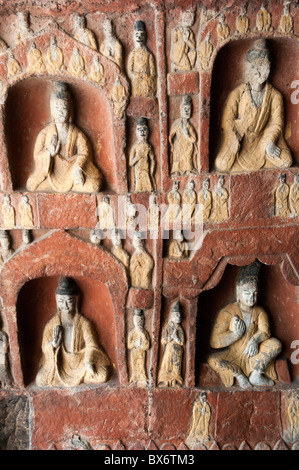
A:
238, 326
251, 348
79, 176
57, 336
54, 146
273, 150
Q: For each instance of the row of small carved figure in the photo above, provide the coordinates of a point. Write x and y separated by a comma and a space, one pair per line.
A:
287, 197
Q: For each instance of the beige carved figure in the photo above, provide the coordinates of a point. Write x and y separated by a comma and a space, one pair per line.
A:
242, 333
26, 213
54, 57
13, 66
3, 46
62, 153
141, 265
105, 214
292, 415
264, 20
6, 250
174, 200
242, 21
71, 353
199, 432
5, 376
178, 247
223, 31
111, 47
24, 32
183, 45
153, 218
281, 197
139, 343
77, 64
204, 200
35, 60
173, 340
253, 120
26, 237
220, 201
130, 213
118, 251
286, 24
83, 34
141, 65
183, 143
119, 99
96, 73
189, 199
142, 159
205, 52
8, 213
294, 197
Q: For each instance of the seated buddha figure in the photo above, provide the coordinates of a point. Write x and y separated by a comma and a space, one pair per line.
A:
241, 334
253, 120
62, 153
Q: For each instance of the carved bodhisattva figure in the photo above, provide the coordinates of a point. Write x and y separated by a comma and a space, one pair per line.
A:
242, 22
287, 21
35, 60
77, 64
281, 197
253, 120
62, 153
111, 47
26, 213
71, 353
204, 200
182, 139
205, 52
178, 247
141, 65
242, 332
138, 343
183, 45
96, 73
118, 251
54, 57
173, 340
141, 265
220, 202
83, 34
201, 417
8, 213
6, 250
142, 159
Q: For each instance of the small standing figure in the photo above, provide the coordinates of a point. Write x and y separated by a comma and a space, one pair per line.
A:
178, 247
242, 22
35, 60
173, 340
138, 343
6, 250
264, 20
26, 213
292, 416
294, 197
183, 46
5, 376
77, 64
24, 32
54, 57
142, 159
188, 203
13, 66
282, 197
118, 251
220, 202
287, 21
131, 213
205, 52
223, 30
8, 213
182, 139
174, 204
204, 199
96, 73
111, 46
153, 218
119, 99
141, 65
141, 265
26, 237
201, 416
105, 214
83, 34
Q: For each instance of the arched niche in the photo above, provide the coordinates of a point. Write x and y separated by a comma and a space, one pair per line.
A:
36, 305
27, 112
228, 73
276, 295
104, 288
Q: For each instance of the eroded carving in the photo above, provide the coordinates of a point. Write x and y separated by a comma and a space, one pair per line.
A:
26, 213
54, 57
118, 251
199, 432
294, 197
286, 24
223, 31
183, 45
35, 60
77, 64
24, 32
96, 73
139, 343
281, 197
84, 34
205, 52
111, 46
119, 99
220, 200
242, 21
8, 213
13, 66
189, 199
264, 20
141, 265
105, 213
6, 249
204, 199
178, 247
5, 375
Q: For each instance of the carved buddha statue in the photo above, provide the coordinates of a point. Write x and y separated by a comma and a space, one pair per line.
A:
62, 153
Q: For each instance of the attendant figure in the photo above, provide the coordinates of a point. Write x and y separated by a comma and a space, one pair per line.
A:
138, 344
111, 46
183, 45
141, 265
282, 192
83, 34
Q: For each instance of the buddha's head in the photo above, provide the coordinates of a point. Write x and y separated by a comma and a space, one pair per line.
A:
139, 32
186, 107
175, 313
61, 103
257, 64
247, 285
67, 296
